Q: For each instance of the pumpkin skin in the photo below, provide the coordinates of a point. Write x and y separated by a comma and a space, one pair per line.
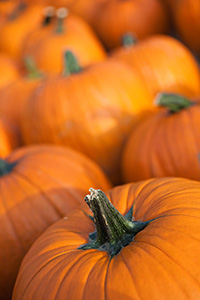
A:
164, 257
8, 137
47, 47
11, 105
141, 17
186, 15
9, 70
45, 183
164, 144
165, 65
14, 31
91, 111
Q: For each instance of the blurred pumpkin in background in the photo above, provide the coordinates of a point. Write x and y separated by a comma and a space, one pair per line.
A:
142, 18
18, 25
8, 137
14, 95
186, 16
164, 63
68, 31
9, 70
166, 142
90, 109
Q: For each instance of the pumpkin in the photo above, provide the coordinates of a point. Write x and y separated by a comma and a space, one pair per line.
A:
8, 137
112, 256
164, 63
9, 70
47, 45
14, 96
39, 185
165, 143
186, 15
141, 17
91, 110
18, 25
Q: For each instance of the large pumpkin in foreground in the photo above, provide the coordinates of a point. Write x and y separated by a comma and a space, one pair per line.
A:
155, 258
38, 186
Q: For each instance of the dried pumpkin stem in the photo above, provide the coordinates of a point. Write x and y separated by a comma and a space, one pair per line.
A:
5, 167
61, 14
71, 65
173, 102
113, 230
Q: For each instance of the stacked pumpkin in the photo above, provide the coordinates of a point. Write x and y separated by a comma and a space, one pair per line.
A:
87, 106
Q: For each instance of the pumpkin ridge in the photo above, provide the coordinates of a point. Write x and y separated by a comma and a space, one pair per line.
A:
127, 267
172, 259
48, 199
152, 257
9, 217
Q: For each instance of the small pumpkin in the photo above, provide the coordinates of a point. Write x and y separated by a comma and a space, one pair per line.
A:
165, 143
91, 110
47, 45
8, 137
17, 26
152, 255
9, 70
14, 95
164, 63
39, 185
141, 17
186, 16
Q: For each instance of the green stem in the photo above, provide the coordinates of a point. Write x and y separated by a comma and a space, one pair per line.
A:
129, 40
71, 65
173, 102
61, 14
32, 71
5, 167
113, 231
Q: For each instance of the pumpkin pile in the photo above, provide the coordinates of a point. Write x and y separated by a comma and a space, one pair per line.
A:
100, 96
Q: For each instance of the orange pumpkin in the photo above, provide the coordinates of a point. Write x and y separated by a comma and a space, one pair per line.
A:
39, 185
91, 110
166, 143
186, 16
164, 63
47, 45
141, 17
14, 96
9, 71
8, 137
154, 256
18, 25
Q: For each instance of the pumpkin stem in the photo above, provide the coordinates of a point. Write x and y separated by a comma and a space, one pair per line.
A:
5, 167
173, 102
48, 14
32, 71
128, 40
61, 14
71, 65
113, 231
